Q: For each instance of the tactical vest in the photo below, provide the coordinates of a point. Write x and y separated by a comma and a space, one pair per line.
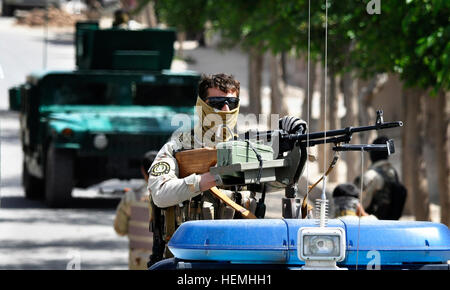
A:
202, 207
193, 209
138, 228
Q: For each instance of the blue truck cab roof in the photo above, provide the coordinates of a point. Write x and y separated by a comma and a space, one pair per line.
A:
274, 241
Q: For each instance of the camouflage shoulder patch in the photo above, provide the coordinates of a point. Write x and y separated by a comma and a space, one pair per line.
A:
160, 168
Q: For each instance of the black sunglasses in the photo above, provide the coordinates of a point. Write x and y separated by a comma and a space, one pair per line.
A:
219, 102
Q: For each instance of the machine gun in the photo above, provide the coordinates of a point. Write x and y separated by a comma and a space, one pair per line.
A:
251, 163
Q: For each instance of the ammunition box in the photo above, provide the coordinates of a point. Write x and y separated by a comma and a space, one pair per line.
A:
233, 152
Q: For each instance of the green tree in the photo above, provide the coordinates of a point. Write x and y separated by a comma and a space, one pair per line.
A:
186, 16
412, 38
249, 24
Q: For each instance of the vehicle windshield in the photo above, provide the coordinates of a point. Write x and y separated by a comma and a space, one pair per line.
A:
82, 92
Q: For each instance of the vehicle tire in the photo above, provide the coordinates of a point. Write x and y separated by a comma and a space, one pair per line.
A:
58, 177
34, 187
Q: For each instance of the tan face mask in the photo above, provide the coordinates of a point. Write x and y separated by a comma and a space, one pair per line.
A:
212, 119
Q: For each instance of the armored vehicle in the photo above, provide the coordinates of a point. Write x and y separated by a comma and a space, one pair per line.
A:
82, 127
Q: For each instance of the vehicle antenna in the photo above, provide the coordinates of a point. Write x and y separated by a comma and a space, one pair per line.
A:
360, 203
308, 99
322, 203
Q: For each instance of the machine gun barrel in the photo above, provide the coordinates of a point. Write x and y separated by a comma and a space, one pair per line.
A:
333, 136
316, 138
345, 133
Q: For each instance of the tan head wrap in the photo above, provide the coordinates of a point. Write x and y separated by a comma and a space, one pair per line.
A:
212, 119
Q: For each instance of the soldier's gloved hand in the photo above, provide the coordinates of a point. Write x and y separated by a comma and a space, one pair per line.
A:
293, 125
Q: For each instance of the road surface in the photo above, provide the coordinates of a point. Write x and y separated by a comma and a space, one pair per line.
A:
33, 236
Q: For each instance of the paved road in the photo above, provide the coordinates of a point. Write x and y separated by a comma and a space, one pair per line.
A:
33, 236
22, 51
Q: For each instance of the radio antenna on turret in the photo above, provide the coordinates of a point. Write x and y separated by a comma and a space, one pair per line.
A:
322, 203
307, 105
361, 204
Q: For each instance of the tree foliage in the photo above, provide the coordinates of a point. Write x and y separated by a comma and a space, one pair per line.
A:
186, 16
409, 37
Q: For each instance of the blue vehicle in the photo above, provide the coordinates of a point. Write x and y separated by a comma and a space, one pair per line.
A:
296, 243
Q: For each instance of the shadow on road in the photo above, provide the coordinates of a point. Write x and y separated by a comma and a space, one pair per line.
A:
62, 264
7, 114
20, 202
36, 212
65, 38
13, 181
78, 244
61, 249
13, 202
62, 39
8, 135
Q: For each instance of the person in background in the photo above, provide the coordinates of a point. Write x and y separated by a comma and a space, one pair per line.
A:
383, 194
133, 216
346, 202
121, 19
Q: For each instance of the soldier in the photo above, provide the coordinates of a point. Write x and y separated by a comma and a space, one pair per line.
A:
93, 9
346, 202
133, 217
121, 19
384, 196
189, 198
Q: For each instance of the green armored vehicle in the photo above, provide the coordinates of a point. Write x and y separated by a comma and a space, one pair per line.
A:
82, 127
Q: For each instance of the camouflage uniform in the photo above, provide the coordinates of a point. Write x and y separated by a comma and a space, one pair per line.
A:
376, 192
181, 198
132, 219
